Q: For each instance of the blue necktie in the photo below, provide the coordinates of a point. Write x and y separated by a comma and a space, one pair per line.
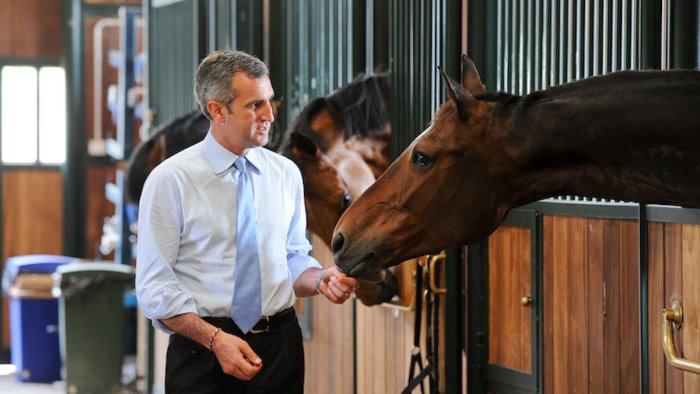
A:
246, 305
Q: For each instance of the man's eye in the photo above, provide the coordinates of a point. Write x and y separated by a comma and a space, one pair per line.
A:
421, 159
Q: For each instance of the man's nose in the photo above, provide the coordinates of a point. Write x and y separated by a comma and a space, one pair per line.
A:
268, 112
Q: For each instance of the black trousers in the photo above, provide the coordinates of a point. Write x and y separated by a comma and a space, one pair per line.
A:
192, 369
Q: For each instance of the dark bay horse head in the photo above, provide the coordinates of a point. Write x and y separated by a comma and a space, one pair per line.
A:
166, 141
630, 136
393, 220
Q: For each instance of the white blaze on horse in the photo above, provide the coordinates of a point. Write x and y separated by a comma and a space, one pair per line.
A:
630, 135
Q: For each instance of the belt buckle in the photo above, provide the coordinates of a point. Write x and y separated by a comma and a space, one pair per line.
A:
267, 326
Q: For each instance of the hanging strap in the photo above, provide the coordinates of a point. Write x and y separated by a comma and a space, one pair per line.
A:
432, 328
416, 356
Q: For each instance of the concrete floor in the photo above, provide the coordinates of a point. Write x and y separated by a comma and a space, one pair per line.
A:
10, 384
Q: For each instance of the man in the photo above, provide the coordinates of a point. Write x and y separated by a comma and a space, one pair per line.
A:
222, 224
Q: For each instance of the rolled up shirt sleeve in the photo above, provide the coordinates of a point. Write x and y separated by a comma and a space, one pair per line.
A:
157, 287
298, 246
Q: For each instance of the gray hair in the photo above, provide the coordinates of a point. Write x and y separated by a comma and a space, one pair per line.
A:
215, 72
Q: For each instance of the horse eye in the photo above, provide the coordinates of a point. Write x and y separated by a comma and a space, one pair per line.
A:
421, 159
345, 202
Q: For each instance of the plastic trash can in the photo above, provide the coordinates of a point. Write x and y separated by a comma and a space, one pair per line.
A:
92, 324
33, 311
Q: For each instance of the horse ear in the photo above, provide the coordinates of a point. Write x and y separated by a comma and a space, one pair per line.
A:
470, 77
459, 96
304, 144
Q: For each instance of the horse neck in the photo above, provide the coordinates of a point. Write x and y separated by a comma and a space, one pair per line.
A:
630, 137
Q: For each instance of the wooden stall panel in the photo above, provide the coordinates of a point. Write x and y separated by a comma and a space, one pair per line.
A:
329, 353
510, 325
32, 219
591, 314
674, 252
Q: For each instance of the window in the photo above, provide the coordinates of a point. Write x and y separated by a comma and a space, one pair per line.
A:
33, 115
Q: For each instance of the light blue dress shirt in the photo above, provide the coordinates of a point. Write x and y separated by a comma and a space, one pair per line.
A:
186, 254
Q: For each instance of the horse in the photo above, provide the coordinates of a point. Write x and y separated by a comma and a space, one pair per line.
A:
628, 135
340, 143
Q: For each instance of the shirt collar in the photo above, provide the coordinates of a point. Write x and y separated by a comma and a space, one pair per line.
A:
221, 159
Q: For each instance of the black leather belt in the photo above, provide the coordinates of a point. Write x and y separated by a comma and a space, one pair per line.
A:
265, 324
268, 323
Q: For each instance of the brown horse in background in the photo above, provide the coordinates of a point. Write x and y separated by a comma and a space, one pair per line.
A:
630, 135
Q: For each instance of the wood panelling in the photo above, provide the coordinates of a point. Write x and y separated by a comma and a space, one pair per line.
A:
510, 325
591, 298
30, 29
674, 253
384, 339
33, 212
33, 218
329, 353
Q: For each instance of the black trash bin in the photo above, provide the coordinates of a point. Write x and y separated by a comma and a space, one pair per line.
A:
34, 345
92, 324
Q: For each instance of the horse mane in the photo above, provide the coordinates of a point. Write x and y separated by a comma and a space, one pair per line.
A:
358, 109
361, 107
181, 133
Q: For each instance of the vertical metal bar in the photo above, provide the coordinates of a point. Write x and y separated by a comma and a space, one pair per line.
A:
614, 52
500, 26
554, 54
546, 43
634, 35
522, 30
507, 46
570, 36
514, 47
587, 40
538, 45
665, 34
579, 59
643, 298
624, 36
596, 38
563, 55
605, 37
529, 53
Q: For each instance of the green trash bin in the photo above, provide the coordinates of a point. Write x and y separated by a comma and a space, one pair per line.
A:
92, 325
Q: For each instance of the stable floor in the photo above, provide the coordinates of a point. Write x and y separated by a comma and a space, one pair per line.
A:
9, 384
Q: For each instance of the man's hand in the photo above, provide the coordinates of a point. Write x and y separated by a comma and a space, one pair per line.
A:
235, 356
336, 286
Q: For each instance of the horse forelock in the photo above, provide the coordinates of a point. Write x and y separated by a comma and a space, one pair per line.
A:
361, 108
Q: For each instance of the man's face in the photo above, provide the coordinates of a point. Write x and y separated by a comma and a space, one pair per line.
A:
246, 123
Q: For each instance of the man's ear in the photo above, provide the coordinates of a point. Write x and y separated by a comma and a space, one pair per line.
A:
216, 110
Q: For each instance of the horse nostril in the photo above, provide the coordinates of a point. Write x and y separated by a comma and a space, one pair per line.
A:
337, 243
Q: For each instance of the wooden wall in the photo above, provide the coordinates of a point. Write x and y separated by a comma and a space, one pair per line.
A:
591, 305
30, 29
674, 273
510, 324
379, 360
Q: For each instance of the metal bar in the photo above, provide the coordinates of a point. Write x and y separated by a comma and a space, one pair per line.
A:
538, 45
605, 37
624, 36
587, 40
614, 51
596, 38
643, 299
